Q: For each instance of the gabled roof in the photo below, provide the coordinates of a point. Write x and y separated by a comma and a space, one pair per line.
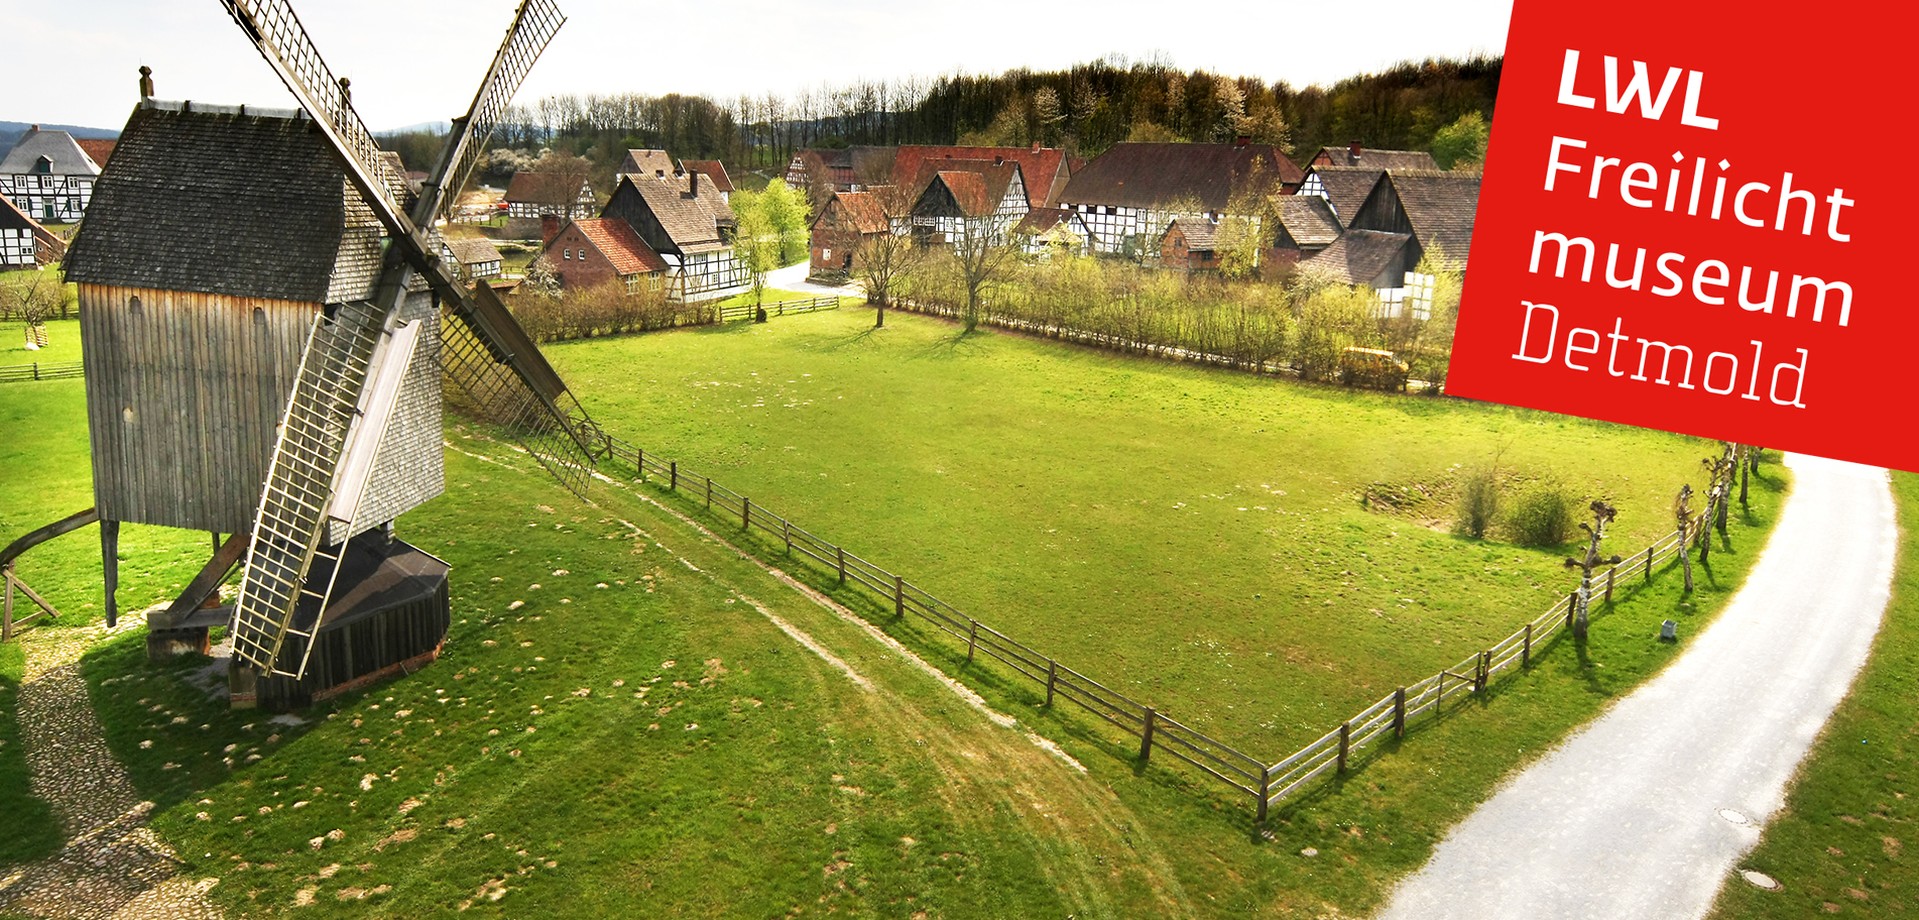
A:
621, 246
1440, 205
98, 149
552, 188
1359, 256
1040, 220
249, 205
1150, 175
976, 186
474, 250
1347, 187
1039, 166
712, 169
851, 165
1200, 235
647, 162
690, 222
12, 218
860, 212
63, 154
1308, 219
1394, 160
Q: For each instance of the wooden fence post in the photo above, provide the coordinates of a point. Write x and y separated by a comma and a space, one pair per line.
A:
1649, 550
674, 471
1572, 606
786, 530
1146, 736
1052, 678
709, 493
1479, 672
746, 513
899, 596
840, 551
1345, 743
639, 461
972, 637
1609, 584
1265, 792
1526, 650
1399, 713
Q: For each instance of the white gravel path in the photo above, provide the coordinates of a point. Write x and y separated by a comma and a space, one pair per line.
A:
1646, 812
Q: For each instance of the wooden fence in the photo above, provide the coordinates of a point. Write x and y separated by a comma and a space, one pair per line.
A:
1098, 339
744, 311
1267, 783
10, 627
15, 373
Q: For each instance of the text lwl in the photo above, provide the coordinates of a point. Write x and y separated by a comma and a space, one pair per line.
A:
1637, 89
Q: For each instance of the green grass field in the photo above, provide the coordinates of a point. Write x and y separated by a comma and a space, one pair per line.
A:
1194, 538
1839, 848
63, 343
751, 777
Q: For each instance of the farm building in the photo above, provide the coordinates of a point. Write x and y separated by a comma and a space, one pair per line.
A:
848, 219
1129, 195
683, 220
1306, 227
1344, 188
1050, 230
1411, 216
1374, 258
715, 172
23, 242
601, 250
533, 195
478, 257
1356, 154
199, 287
965, 200
1190, 244
844, 169
645, 162
1044, 170
49, 176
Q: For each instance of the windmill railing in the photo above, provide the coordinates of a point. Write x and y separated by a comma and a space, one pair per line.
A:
1269, 783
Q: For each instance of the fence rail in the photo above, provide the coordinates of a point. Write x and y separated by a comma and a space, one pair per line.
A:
16, 373
10, 586
1268, 784
744, 311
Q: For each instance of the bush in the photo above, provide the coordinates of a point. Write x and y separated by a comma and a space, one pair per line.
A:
1478, 504
1542, 516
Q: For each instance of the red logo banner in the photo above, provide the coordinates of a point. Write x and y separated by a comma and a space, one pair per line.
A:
1686, 223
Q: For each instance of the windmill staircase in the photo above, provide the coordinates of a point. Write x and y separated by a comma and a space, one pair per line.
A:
295, 508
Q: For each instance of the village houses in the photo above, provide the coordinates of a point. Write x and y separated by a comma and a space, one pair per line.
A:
49, 176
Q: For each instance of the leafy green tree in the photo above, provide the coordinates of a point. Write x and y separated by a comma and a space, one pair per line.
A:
757, 243
1462, 144
785, 209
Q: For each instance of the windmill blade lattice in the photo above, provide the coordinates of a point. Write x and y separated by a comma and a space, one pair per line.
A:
533, 27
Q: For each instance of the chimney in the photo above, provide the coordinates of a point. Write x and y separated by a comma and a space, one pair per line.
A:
1036, 146
1353, 151
549, 228
999, 161
693, 184
146, 82
1242, 140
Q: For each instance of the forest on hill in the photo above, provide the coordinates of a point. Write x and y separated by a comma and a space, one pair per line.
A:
1086, 109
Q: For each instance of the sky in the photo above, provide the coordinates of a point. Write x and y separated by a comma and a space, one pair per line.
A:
414, 61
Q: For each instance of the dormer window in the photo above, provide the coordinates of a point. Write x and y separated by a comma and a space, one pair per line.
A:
43, 165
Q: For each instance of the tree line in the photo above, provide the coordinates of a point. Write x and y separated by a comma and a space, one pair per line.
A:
1085, 109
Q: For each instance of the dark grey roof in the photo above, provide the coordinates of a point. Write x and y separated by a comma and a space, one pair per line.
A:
1347, 187
65, 158
689, 221
1358, 256
474, 250
1394, 160
1308, 219
219, 203
1440, 205
1153, 175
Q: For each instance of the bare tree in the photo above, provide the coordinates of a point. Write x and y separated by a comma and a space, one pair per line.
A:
884, 260
984, 252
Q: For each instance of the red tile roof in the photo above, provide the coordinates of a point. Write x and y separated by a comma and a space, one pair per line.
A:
621, 246
712, 169
98, 150
1040, 167
860, 212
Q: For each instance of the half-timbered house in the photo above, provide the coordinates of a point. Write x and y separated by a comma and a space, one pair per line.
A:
849, 219
49, 176
478, 257
962, 202
531, 196
1344, 188
1411, 216
604, 250
1045, 231
1044, 170
1130, 194
682, 219
24, 243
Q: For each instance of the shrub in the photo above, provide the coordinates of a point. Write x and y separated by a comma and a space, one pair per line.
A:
1478, 504
1542, 515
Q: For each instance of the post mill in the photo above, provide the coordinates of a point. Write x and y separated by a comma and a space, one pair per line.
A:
269, 323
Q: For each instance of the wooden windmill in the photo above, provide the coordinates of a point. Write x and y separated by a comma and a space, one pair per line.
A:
301, 367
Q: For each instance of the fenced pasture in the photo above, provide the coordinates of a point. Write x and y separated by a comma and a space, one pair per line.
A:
1191, 538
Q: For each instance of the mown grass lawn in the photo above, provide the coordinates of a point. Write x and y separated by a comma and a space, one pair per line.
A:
63, 343
1198, 539
1840, 846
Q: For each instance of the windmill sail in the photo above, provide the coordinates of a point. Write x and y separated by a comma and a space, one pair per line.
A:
338, 411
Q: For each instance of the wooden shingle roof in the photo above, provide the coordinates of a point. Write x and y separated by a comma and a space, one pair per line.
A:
691, 222
474, 250
1308, 219
1347, 187
549, 188
1440, 205
1151, 175
647, 162
621, 246
63, 155
1394, 160
1200, 235
1359, 256
248, 205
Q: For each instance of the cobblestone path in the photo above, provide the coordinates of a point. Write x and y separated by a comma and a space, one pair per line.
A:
112, 865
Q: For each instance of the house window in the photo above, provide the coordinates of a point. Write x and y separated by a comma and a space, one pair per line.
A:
566, 254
